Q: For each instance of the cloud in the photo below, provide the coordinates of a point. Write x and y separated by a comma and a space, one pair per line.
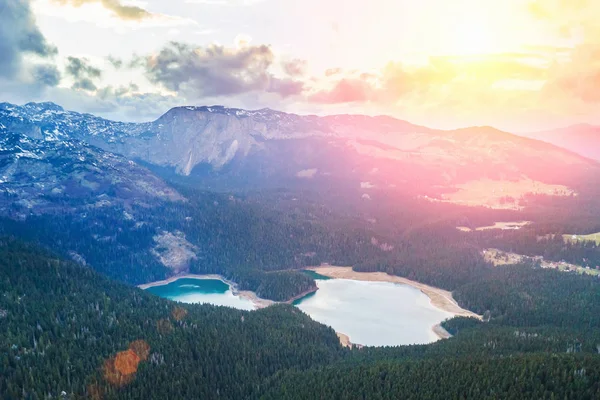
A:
285, 87
344, 91
294, 68
46, 75
198, 72
333, 71
579, 78
84, 84
441, 81
234, 3
82, 73
119, 10
80, 68
576, 75
569, 18
19, 35
242, 40
118, 103
117, 63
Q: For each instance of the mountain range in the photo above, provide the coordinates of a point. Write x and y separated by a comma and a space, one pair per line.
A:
206, 188
256, 195
233, 149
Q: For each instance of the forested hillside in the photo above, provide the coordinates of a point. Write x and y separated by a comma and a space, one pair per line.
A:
64, 328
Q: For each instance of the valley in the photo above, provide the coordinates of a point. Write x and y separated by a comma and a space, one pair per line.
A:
279, 200
229, 207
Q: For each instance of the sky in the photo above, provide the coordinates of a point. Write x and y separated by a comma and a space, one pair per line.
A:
519, 65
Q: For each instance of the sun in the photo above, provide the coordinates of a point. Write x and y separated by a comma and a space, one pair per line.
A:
471, 38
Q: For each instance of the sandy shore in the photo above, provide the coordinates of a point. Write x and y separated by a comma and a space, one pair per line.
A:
440, 298
245, 294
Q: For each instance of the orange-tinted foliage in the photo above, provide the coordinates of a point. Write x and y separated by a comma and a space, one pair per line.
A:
164, 326
113, 375
179, 313
141, 348
120, 369
126, 362
94, 392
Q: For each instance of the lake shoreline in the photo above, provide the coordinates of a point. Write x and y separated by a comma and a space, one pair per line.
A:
259, 302
301, 295
439, 298
441, 333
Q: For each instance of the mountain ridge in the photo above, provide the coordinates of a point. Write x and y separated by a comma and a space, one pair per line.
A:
583, 139
232, 149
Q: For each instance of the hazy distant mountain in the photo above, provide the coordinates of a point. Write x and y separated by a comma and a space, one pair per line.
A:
583, 139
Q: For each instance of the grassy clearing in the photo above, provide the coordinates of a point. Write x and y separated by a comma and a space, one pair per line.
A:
501, 194
497, 225
499, 257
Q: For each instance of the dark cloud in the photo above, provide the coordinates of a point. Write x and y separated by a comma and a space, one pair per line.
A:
82, 73
131, 13
117, 92
211, 71
294, 68
117, 63
46, 75
84, 84
19, 34
80, 68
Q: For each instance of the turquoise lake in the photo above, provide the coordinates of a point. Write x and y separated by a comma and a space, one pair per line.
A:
370, 313
212, 291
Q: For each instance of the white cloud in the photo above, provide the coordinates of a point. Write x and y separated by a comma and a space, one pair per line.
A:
225, 2
95, 13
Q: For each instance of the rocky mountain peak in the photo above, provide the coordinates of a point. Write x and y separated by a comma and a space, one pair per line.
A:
43, 106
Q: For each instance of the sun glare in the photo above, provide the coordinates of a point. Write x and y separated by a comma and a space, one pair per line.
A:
468, 28
470, 38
